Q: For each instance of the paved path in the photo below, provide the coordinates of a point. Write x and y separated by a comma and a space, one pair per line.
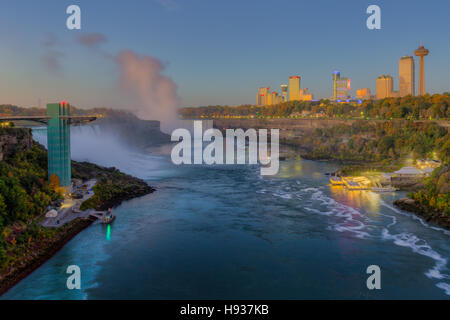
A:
70, 209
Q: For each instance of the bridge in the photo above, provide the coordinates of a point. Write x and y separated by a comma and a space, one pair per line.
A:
45, 119
58, 120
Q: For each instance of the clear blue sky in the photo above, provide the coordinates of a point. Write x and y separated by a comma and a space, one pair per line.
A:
217, 52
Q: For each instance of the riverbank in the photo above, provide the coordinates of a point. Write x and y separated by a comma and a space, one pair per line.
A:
26, 245
426, 213
42, 252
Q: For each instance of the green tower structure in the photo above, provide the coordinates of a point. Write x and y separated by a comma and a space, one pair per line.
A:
58, 142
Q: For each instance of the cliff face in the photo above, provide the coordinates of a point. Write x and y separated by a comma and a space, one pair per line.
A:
134, 132
407, 183
14, 140
292, 128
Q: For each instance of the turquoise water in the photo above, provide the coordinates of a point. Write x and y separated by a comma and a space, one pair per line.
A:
225, 232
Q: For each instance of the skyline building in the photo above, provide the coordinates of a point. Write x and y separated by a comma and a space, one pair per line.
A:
284, 92
421, 52
406, 76
336, 76
341, 86
269, 100
363, 94
305, 95
294, 88
385, 86
261, 97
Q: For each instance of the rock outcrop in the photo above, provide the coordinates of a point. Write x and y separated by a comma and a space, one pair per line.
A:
14, 140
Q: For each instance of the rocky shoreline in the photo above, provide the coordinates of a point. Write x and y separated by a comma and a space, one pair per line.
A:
427, 214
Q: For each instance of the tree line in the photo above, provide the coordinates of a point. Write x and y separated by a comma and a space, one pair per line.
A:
427, 107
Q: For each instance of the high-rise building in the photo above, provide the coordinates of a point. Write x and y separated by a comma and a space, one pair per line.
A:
305, 95
336, 76
294, 88
276, 98
269, 100
421, 52
58, 143
385, 86
406, 79
261, 98
284, 92
343, 88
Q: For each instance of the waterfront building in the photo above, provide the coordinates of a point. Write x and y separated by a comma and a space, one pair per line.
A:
385, 85
406, 76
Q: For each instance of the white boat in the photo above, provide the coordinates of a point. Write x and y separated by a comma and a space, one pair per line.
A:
384, 189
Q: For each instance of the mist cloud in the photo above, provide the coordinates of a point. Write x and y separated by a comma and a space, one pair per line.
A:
153, 96
145, 90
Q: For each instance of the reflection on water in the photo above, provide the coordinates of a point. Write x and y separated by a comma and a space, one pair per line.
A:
108, 232
290, 169
357, 198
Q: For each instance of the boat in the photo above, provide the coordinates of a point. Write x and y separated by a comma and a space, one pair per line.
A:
337, 181
384, 189
380, 188
353, 185
108, 218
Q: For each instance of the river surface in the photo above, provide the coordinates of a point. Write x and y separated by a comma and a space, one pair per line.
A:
226, 232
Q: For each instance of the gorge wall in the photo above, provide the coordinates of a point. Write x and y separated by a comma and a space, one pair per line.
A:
13, 140
292, 128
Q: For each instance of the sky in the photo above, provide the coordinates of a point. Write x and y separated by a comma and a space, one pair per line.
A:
208, 52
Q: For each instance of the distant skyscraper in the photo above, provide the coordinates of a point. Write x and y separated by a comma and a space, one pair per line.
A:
421, 52
294, 88
269, 100
284, 92
385, 86
261, 98
336, 76
341, 86
406, 78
